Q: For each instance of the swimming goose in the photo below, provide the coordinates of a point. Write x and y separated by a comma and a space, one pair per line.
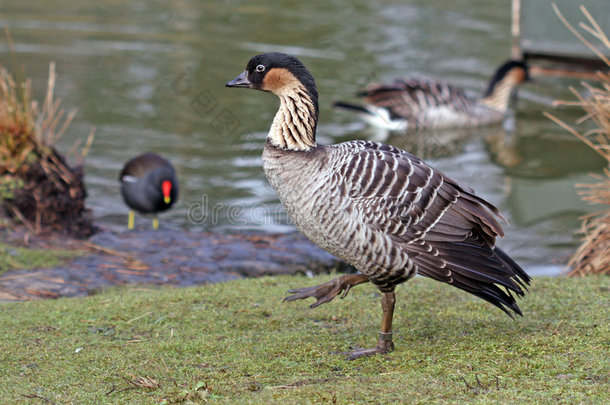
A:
148, 185
375, 206
421, 103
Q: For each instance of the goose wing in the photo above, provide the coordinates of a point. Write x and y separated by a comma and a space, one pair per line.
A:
407, 98
445, 229
397, 193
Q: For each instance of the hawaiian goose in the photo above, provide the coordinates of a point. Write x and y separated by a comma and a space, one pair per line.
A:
376, 207
419, 103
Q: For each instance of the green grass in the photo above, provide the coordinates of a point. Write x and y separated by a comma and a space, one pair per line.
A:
17, 258
238, 343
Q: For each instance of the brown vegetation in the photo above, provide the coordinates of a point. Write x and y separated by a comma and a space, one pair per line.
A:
593, 256
37, 186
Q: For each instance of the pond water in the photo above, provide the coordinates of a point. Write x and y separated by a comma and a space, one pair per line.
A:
150, 75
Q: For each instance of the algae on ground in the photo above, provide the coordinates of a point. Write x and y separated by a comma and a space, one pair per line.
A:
22, 258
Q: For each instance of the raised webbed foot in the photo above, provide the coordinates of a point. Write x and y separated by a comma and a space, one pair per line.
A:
324, 293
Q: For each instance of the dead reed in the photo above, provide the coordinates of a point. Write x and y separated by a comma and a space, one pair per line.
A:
593, 255
37, 185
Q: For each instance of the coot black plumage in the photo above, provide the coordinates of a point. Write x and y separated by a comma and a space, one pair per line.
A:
148, 185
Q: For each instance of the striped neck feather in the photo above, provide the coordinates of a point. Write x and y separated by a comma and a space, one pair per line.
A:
294, 125
500, 95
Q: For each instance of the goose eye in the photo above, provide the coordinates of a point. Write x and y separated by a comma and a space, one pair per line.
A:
260, 68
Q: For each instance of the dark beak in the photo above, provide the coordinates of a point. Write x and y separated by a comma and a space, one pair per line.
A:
240, 81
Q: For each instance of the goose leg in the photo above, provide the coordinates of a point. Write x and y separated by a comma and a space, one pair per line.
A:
385, 343
131, 220
324, 293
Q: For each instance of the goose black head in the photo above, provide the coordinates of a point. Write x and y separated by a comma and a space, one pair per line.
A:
517, 70
277, 73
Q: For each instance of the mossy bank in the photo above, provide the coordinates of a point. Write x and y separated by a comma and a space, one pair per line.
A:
237, 342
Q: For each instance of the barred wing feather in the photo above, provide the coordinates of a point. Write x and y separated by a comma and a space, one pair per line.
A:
446, 230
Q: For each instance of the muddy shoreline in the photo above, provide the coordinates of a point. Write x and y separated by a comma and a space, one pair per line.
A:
163, 257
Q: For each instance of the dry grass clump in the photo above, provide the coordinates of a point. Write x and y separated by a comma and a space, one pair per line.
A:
37, 186
593, 256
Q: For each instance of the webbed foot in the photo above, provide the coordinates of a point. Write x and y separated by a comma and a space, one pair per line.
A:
385, 345
326, 292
